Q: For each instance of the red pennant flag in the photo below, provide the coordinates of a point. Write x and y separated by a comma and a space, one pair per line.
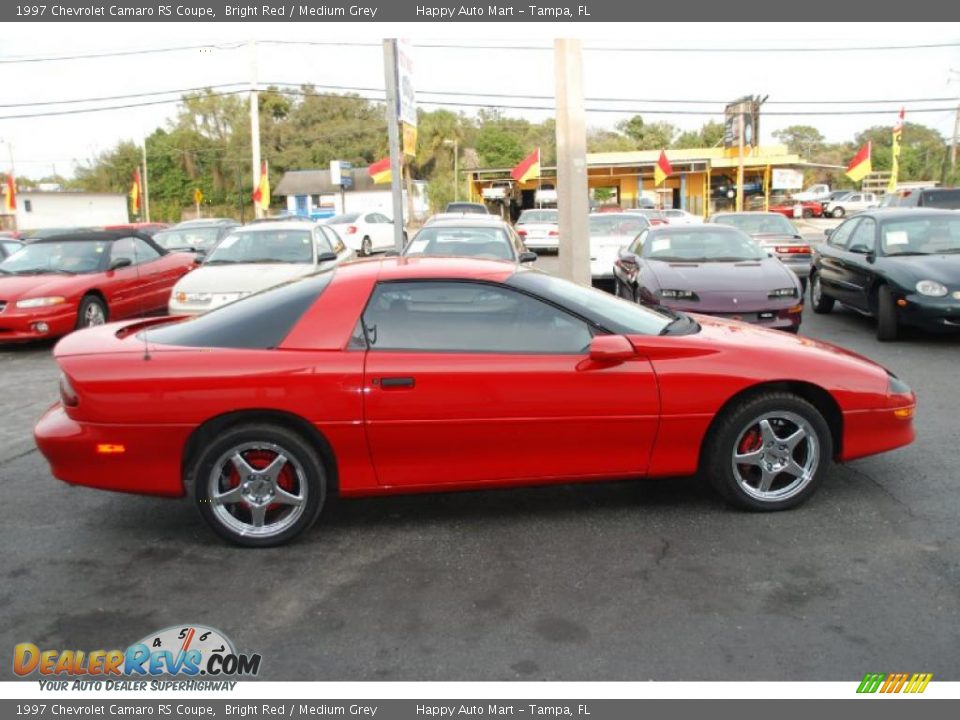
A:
662, 170
860, 165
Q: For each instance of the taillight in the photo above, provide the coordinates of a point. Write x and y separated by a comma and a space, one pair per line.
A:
792, 249
553, 233
68, 396
521, 232
352, 229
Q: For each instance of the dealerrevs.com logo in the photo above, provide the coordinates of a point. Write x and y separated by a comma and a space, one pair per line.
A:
891, 683
181, 652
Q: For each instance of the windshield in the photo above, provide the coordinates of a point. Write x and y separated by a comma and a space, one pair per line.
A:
919, 236
620, 225
466, 208
756, 224
264, 245
343, 219
484, 242
718, 245
199, 238
602, 308
539, 216
649, 213
73, 256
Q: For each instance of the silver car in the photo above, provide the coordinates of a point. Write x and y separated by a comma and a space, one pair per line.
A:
775, 234
539, 228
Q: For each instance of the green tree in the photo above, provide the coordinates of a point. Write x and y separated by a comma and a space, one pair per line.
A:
803, 140
648, 136
498, 147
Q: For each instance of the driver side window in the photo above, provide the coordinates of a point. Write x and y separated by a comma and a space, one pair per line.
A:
863, 238
133, 249
841, 236
469, 317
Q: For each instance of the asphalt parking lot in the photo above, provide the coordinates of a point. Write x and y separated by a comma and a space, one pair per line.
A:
622, 581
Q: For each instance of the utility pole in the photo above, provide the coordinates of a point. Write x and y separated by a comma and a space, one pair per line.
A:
146, 185
740, 163
393, 130
953, 143
255, 124
571, 162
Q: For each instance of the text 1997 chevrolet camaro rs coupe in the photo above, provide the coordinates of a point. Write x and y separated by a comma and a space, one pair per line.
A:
425, 374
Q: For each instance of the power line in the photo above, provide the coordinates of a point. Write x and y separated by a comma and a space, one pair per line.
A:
467, 46
447, 103
265, 86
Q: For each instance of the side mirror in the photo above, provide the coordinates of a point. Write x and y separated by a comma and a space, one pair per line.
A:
528, 257
326, 257
611, 348
859, 249
391, 253
120, 263
828, 232
200, 256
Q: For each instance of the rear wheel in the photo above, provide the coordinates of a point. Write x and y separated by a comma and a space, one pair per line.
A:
887, 326
807, 213
838, 212
366, 247
258, 485
769, 452
822, 304
92, 312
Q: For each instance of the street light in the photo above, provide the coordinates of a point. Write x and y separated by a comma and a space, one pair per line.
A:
456, 179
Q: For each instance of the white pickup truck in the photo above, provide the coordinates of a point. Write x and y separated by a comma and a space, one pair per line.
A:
498, 191
546, 195
815, 193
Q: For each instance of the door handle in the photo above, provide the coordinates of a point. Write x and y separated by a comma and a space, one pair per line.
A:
389, 383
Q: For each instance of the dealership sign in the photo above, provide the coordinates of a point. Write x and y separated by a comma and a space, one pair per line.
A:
406, 98
786, 179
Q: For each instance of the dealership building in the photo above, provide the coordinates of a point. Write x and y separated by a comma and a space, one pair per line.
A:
703, 179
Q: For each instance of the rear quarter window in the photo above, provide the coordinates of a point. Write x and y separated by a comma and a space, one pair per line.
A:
258, 322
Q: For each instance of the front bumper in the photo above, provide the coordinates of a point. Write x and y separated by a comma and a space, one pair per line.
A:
21, 326
149, 462
929, 313
774, 319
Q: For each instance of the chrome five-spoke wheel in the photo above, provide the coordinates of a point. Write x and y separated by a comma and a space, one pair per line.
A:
776, 456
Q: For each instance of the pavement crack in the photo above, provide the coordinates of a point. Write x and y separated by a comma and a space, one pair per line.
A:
18, 456
662, 554
886, 491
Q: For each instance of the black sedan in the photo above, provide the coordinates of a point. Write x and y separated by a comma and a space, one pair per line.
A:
900, 266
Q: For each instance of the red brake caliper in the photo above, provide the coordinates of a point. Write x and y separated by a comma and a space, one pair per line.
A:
259, 459
750, 442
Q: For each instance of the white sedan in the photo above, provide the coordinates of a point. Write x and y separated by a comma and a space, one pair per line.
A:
676, 216
539, 229
253, 258
609, 232
365, 232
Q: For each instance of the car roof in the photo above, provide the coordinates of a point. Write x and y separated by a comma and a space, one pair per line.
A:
431, 267
201, 222
91, 235
706, 228
750, 213
901, 212
466, 220
275, 225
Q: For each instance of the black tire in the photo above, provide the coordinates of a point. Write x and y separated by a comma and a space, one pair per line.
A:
819, 301
888, 328
306, 474
620, 291
92, 307
366, 247
837, 212
807, 213
732, 429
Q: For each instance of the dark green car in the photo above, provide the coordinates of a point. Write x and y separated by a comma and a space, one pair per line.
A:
900, 266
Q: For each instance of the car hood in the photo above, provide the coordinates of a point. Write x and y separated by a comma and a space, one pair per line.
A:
766, 274
15, 287
944, 269
241, 277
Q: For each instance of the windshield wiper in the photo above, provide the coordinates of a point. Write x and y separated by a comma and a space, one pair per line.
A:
673, 323
221, 262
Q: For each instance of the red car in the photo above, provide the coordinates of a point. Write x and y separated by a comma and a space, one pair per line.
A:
54, 285
409, 375
787, 208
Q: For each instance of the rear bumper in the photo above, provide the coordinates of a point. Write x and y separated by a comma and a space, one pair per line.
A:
21, 327
149, 463
546, 243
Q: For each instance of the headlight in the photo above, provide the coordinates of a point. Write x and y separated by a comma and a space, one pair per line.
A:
896, 386
679, 294
41, 302
198, 298
930, 288
790, 292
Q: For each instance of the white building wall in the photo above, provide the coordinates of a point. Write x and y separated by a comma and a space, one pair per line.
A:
67, 209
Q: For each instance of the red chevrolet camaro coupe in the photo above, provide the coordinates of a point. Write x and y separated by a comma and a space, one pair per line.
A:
424, 374
54, 285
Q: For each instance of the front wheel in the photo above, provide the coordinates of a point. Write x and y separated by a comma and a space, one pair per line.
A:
807, 213
822, 304
838, 212
92, 312
769, 452
258, 485
887, 326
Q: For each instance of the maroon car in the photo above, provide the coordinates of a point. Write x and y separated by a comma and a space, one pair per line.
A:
709, 269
